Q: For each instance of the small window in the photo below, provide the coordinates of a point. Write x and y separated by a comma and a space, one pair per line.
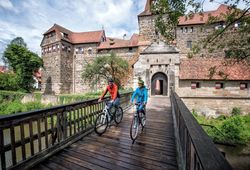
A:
182, 30
195, 85
76, 49
189, 44
148, 60
130, 49
243, 86
90, 51
191, 29
69, 49
219, 85
186, 29
54, 48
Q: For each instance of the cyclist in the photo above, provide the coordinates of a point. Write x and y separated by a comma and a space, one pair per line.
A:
112, 88
141, 95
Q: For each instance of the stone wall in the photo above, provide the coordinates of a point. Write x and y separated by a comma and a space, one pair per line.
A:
195, 34
213, 107
207, 89
51, 78
147, 29
80, 60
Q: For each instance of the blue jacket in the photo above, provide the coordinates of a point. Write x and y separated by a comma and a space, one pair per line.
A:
141, 95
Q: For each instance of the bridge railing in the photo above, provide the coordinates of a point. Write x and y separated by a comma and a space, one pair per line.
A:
195, 148
29, 138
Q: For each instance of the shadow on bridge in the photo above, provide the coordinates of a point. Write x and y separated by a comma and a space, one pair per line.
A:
154, 149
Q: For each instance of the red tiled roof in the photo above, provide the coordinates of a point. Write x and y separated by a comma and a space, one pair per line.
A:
203, 18
3, 69
113, 43
198, 69
77, 37
86, 37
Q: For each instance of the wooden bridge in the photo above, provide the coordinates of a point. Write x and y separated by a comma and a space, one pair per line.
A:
63, 138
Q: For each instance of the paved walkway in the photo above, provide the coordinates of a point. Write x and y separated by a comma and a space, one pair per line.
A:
153, 149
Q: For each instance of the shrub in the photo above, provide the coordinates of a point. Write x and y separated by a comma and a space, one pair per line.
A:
236, 111
234, 128
14, 107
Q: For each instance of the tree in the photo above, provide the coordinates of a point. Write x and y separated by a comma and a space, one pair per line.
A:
22, 62
104, 67
18, 41
236, 42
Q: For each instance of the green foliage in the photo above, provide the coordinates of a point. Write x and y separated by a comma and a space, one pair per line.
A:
23, 63
234, 128
8, 81
9, 96
173, 9
105, 67
236, 111
236, 42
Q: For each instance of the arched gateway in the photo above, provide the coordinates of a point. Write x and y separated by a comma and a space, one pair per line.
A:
159, 84
158, 66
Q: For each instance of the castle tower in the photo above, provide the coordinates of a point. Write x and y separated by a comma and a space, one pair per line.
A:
147, 30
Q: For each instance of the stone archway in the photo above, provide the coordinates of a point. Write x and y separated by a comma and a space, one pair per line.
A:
159, 84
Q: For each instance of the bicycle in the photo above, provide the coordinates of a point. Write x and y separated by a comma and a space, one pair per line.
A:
106, 117
139, 119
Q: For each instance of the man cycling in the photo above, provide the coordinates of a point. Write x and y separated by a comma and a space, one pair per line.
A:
141, 95
112, 88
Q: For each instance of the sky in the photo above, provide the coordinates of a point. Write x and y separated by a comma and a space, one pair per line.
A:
31, 18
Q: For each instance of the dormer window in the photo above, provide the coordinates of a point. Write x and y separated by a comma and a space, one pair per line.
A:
219, 85
243, 86
195, 85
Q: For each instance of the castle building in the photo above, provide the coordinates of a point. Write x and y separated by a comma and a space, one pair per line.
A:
162, 66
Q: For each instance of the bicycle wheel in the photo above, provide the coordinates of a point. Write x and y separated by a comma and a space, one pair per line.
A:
134, 129
143, 119
101, 123
118, 115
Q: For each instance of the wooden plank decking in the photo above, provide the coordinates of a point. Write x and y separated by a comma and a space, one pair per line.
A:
154, 148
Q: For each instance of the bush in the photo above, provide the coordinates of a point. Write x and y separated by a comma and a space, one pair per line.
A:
235, 129
236, 111
8, 81
15, 107
8, 96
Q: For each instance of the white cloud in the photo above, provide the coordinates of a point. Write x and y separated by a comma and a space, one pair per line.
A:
118, 17
7, 4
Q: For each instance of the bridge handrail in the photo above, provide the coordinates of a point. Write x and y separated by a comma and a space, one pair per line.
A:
50, 130
197, 148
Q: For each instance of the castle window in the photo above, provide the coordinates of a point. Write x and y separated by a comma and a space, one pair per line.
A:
130, 49
243, 86
50, 49
54, 48
90, 51
69, 49
63, 47
42, 51
58, 46
219, 85
182, 30
189, 44
195, 85
186, 29
147, 60
157, 60
81, 50
191, 29
76, 49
